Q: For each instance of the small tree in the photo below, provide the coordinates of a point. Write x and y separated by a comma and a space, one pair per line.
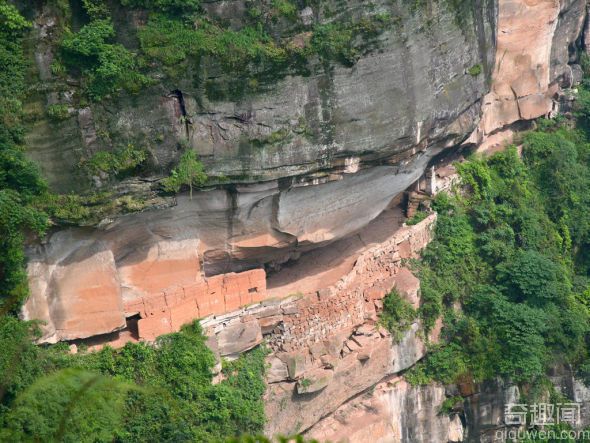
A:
189, 172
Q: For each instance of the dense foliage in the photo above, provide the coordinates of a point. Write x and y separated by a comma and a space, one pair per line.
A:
139, 393
106, 67
512, 251
115, 163
180, 38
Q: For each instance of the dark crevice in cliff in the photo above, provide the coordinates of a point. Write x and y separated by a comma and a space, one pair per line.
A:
179, 96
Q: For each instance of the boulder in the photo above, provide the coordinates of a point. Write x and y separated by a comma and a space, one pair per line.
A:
277, 371
408, 287
295, 364
238, 337
77, 299
267, 324
314, 381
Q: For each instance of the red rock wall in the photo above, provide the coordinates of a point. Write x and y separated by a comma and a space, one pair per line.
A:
357, 296
329, 343
167, 311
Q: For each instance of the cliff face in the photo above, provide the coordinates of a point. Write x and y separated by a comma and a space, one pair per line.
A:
413, 96
353, 138
313, 162
536, 42
408, 90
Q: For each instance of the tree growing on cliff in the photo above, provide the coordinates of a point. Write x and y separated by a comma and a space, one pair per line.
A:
189, 172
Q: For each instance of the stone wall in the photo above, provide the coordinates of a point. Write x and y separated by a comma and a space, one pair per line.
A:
328, 346
168, 311
299, 322
356, 297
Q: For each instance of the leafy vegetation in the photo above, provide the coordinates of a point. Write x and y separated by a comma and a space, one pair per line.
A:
450, 403
115, 163
416, 218
512, 252
336, 41
138, 393
397, 315
249, 57
58, 112
106, 67
20, 183
475, 70
285, 8
189, 172
173, 7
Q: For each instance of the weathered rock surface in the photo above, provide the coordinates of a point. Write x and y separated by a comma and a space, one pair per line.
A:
374, 127
535, 44
410, 91
329, 340
239, 337
370, 132
393, 412
81, 298
174, 249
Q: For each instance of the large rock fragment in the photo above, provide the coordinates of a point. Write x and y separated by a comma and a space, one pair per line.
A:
238, 337
314, 381
409, 350
295, 364
277, 371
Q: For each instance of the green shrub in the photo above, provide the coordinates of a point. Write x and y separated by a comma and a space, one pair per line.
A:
106, 67
189, 172
67, 405
449, 405
443, 363
334, 42
508, 248
285, 8
416, 218
140, 392
10, 18
168, 6
115, 163
475, 70
20, 181
96, 9
397, 315
58, 112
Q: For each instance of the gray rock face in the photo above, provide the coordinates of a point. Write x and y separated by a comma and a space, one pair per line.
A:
484, 410
411, 90
418, 414
566, 39
409, 350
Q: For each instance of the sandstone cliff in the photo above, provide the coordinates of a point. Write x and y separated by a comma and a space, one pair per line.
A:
352, 139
